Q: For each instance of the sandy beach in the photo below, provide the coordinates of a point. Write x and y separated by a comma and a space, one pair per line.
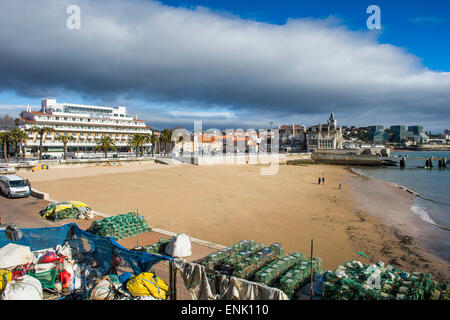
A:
226, 204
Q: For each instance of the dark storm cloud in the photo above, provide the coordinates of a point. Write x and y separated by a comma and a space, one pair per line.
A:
146, 51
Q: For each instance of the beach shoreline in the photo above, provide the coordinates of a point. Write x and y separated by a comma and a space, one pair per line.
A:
406, 189
226, 204
400, 223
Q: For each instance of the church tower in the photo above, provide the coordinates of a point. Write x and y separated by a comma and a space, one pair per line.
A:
332, 123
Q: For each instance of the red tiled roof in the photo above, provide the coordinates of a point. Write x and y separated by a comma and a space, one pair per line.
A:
37, 112
210, 139
289, 126
28, 120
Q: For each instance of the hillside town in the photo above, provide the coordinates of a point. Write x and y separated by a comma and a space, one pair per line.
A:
64, 130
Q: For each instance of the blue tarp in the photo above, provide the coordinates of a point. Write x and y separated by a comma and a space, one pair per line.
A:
93, 247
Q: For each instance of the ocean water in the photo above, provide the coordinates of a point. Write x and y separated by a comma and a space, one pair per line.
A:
433, 184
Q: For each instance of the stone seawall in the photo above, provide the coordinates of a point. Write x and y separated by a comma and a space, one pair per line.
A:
247, 159
354, 160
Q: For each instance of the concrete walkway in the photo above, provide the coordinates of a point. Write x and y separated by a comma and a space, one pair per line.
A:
24, 212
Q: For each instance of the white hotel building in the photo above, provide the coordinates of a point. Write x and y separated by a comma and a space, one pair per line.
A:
85, 123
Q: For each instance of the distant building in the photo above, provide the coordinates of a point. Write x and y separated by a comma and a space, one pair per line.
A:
447, 134
292, 137
414, 134
325, 136
416, 129
418, 134
436, 141
350, 145
205, 143
398, 133
377, 134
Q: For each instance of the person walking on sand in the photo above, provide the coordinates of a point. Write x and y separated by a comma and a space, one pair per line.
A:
340, 186
323, 180
319, 180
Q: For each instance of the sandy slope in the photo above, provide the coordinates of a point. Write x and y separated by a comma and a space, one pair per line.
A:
225, 204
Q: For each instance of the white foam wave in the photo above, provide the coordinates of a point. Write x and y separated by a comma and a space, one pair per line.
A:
422, 213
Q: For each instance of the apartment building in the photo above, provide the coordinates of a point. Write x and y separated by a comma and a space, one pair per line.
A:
221, 142
292, 137
414, 134
85, 123
377, 134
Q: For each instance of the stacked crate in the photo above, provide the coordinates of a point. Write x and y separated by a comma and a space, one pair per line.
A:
299, 276
270, 273
158, 247
229, 263
352, 281
215, 259
247, 268
120, 226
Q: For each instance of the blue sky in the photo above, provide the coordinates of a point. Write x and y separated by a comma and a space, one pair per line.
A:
234, 63
422, 27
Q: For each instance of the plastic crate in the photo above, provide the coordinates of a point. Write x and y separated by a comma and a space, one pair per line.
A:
46, 278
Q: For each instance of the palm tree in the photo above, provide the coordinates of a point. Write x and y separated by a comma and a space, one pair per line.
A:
41, 131
5, 141
19, 137
136, 142
65, 140
146, 139
153, 141
169, 139
162, 140
165, 137
106, 143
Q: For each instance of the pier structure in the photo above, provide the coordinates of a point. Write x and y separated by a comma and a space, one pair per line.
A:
441, 161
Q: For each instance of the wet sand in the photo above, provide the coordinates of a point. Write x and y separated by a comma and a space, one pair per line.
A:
226, 204
405, 230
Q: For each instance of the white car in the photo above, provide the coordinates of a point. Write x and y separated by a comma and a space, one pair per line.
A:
14, 186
